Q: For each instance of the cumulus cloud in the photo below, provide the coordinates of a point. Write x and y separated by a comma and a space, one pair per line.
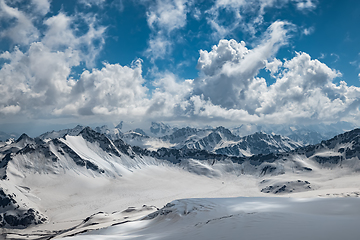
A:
230, 68
36, 81
114, 89
303, 91
37, 78
169, 99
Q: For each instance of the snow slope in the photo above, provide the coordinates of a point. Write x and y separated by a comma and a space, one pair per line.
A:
243, 218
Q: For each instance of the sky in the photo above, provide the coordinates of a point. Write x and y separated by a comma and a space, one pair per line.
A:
182, 62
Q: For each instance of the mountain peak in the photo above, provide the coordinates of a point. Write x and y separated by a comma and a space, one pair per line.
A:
24, 137
160, 128
88, 132
120, 125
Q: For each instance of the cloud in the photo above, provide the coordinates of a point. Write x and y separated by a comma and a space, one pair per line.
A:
38, 83
303, 92
246, 15
60, 34
90, 3
305, 4
114, 89
21, 29
165, 17
36, 79
308, 31
12, 109
230, 68
169, 99
168, 15
159, 47
42, 6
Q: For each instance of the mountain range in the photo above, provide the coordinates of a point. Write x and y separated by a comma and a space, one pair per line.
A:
44, 179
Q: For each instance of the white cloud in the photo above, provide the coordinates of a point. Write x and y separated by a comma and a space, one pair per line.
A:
114, 89
273, 66
164, 17
308, 31
169, 97
247, 15
230, 68
36, 79
60, 34
303, 91
22, 30
305, 4
36, 83
159, 47
42, 6
90, 3
12, 109
168, 15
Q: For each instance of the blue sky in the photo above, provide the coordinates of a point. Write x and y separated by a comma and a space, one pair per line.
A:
178, 61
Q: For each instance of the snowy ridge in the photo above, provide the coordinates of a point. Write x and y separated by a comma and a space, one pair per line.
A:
219, 140
89, 154
59, 134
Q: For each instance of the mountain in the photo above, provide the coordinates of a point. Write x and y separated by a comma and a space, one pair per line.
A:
112, 133
61, 133
69, 184
88, 154
160, 129
222, 141
259, 143
305, 134
5, 136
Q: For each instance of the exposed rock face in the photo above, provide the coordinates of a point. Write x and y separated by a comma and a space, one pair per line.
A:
14, 216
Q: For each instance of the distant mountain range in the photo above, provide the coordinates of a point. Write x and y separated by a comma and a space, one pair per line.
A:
245, 140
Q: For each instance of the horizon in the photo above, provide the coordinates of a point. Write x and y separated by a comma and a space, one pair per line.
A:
181, 62
339, 128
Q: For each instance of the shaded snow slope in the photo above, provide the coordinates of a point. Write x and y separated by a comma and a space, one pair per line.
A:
243, 218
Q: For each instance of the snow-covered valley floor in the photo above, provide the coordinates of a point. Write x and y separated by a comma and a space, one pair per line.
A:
244, 218
222, 207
